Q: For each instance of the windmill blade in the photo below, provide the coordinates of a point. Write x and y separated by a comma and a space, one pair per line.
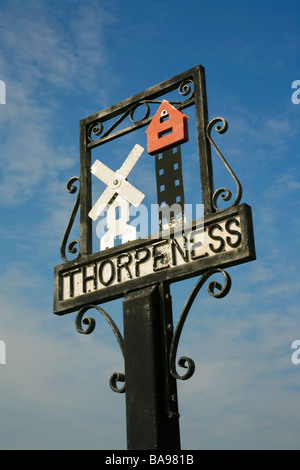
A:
130, 193
131, 160
102, 202
102, 172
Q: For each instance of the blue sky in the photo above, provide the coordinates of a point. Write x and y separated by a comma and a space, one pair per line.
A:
64, 60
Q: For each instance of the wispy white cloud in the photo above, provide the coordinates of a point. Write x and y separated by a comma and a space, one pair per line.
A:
285, 187
49, 59
62, 48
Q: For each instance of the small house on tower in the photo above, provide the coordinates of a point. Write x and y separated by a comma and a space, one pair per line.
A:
167, 129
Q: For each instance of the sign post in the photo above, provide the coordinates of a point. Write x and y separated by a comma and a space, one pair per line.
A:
151, 392
141, 270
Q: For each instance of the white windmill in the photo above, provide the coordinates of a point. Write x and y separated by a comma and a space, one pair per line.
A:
118, 194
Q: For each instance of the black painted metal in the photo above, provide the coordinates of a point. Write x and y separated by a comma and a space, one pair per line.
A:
221, 291
72, 248
223, 192
169, 182
85, 195
151, 391
81, 320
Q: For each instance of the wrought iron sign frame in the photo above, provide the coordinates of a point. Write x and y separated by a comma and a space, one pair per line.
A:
191, 86
147, 299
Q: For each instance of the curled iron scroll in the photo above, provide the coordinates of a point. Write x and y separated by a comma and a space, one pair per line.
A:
223, 192
222, 291
91, 323
71, 188
96, 130
184, 89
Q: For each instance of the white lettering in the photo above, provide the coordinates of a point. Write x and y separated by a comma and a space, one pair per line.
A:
2, 352
2, 92
295, 356
151, 257
115, 460
295, 96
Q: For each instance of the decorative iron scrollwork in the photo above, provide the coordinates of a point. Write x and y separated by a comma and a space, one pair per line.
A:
184, 361
71, 188
96, 132
185, 89
223, 192
91, 323
117, 377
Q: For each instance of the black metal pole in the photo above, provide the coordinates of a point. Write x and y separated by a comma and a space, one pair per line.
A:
151, 391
